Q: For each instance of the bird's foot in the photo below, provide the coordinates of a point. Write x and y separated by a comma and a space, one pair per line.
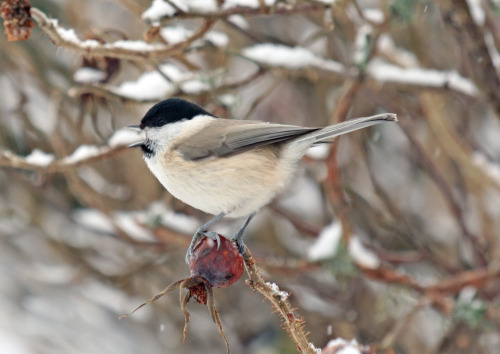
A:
238, 240
198, 236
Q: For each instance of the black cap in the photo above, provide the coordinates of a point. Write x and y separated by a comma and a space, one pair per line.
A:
170, 111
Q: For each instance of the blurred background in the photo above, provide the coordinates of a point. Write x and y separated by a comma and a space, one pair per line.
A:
390, 236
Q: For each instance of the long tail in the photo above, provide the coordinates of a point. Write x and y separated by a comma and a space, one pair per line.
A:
347, 127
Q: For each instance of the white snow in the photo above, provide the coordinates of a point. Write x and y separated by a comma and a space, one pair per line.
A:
476, 11
127, 222
149, 86
491, 169
218, 39
178, 34
319, 152
342, 346
288, 57
83, 152
386, 45
102, 186
246, 3
280, 55
135, 45
386, 72
239, 21
175, 34
361, 43
94, 219
327, 242
276, 291
152, 85
158, 9
87, 75
361, 255
495, 55
203, 6
123, 137
374, 15
69, 35
39, 158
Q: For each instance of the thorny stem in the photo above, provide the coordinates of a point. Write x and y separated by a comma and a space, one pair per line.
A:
293, 323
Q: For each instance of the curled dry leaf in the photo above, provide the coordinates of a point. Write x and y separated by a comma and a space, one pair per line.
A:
17, 19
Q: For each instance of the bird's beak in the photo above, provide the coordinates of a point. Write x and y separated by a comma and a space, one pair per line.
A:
136, 144
135, 127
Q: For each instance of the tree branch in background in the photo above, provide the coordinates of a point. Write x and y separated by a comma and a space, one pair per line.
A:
131, 50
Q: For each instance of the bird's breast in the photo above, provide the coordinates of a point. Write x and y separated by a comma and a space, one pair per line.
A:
236, 185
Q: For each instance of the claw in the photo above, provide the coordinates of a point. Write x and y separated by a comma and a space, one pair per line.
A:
198, 236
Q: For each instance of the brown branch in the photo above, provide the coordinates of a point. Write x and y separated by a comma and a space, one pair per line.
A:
131, 50
9, 159
293, 323
278, 9
470, 37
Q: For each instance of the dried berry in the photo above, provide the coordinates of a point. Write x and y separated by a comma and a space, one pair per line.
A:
17, 19
220, 267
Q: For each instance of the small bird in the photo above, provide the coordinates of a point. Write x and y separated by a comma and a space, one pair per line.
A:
227, 166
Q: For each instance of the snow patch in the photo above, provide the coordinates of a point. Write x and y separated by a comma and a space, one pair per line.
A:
123, 137
327, 243
276, 291
83, 152
361, 255
289, 57
88, 75
246, 3
385, 72
39, 158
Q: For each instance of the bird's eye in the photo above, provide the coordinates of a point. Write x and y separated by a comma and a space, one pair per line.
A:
161, 122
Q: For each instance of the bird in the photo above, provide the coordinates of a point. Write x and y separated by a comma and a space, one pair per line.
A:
227, 167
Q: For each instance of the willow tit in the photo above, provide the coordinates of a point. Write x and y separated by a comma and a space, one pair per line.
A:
227, 166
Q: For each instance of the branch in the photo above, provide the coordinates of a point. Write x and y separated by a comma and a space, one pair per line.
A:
471, 38
276, 9
293, 323
78, 158
131, 50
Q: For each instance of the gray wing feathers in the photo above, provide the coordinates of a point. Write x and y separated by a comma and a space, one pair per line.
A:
226, 137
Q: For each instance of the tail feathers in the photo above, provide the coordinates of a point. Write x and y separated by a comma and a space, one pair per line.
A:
347, 127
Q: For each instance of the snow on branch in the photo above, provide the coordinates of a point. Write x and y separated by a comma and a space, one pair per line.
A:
124, 49
385, 72
162, 11
84, 154
277, 55
152, 86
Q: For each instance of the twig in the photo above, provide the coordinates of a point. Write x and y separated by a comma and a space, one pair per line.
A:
293, 323
470, 36
9, 159
131, 50
278, 9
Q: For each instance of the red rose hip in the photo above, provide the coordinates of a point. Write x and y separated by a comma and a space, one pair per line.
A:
220, 267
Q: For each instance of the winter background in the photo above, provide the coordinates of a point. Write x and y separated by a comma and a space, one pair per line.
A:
390, 236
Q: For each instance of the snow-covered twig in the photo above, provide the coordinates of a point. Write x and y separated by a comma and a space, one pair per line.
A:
83, 155
124, 49
229, 10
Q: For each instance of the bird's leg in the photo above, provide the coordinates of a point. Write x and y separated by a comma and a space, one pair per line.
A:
203, 232
237, 238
